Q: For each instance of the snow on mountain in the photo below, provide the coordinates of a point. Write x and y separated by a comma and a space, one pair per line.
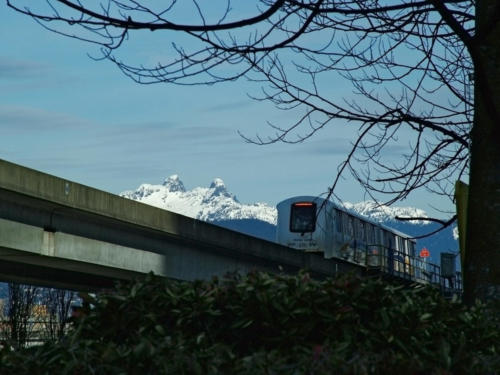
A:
214, 203
382, 214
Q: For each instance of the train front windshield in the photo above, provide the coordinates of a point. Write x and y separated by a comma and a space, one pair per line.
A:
303, 217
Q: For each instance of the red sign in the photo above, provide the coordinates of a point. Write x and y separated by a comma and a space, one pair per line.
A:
424, 253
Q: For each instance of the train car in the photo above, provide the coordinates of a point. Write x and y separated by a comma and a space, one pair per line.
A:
311, 223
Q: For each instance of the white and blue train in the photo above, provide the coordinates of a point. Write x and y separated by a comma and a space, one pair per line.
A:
314, 224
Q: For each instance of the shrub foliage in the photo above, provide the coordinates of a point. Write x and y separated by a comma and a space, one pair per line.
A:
270, 324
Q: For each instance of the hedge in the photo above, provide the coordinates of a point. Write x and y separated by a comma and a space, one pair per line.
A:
270, 324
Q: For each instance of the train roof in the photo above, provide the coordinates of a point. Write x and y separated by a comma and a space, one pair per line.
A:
319, 200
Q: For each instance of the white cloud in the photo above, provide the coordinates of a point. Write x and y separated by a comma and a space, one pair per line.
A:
14, 119
16, 69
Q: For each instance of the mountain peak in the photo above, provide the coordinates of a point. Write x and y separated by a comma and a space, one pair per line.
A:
173, 184
217, 183
218, 189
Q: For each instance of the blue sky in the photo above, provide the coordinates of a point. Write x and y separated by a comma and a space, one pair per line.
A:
67, 115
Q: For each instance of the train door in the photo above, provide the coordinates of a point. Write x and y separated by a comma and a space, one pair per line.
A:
325, 229
410, 244
389, 245
360, 241
378, 242
372, 254
399, 259
339, 233
351, 238
346, 248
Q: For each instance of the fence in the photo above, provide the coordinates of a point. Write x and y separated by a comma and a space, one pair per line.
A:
403, 266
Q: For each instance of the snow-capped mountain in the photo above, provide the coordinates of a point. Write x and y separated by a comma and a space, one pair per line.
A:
212, 204
381, 213
217, 205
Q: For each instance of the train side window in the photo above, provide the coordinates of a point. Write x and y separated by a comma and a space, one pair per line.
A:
356, 228
411, 247
338, 220
377, 234
345, 223
392, 241
303, 217
350, 226
389, 240
362, 231
401, 247
370, 234
355, 225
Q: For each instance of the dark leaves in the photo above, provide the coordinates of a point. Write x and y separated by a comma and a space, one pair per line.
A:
276, 324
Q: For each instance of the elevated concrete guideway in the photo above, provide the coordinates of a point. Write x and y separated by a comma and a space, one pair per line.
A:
60, 233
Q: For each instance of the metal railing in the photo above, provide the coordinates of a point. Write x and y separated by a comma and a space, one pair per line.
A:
403, 266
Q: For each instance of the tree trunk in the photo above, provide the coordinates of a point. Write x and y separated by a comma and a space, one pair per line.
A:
482, 256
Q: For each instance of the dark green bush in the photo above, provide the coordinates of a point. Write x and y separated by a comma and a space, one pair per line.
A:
269, 324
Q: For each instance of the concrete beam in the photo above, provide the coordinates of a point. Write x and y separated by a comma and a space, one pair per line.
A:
26, 244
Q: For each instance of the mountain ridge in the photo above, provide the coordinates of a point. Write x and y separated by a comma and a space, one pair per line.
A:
208, 204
